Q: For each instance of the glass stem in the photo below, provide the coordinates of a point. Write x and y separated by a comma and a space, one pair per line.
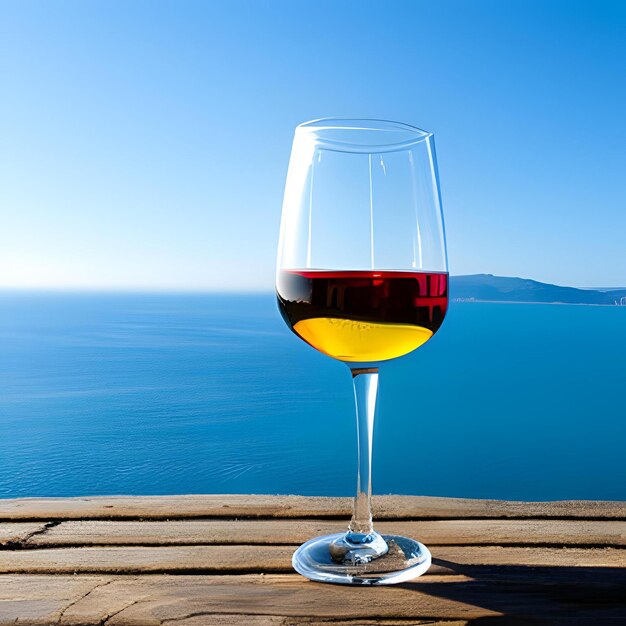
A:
365, 389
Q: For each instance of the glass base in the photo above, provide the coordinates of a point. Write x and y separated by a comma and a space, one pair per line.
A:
405, 559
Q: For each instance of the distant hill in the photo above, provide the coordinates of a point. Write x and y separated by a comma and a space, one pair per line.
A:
486, 287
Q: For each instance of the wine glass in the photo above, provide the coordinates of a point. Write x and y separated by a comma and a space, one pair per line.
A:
362, 277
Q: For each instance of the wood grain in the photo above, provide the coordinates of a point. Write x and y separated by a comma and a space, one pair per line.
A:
273, 532
40, 600
162, 599
259, 558
289, 599
385, 507
225, 560
15, 533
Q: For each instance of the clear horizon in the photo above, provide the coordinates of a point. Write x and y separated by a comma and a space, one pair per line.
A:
204, 290
145, 145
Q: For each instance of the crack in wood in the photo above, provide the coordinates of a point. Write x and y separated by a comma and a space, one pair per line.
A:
110, 616
182, 618
316, 621
42, 531
20, 543
483, 574
82, 597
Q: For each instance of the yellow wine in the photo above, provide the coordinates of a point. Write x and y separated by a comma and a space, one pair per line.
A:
363, 316
349, 340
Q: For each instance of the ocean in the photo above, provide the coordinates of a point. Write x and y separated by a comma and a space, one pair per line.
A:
206, 393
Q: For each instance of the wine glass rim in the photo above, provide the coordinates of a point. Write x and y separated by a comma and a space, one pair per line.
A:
318, 127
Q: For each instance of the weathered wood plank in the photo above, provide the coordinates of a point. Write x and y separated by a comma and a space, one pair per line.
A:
529, 597
385, 507
530, 557
120, 560
268, 532
19, 532
218, 558
39, 600
488, 577
158, 600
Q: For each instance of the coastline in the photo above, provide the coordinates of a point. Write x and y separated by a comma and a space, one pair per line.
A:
473, 301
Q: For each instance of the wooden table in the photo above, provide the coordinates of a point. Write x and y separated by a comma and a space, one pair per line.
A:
222, 560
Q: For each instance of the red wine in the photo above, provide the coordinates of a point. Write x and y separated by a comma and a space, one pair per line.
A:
363, 316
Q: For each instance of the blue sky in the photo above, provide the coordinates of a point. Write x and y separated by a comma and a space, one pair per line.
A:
145, 144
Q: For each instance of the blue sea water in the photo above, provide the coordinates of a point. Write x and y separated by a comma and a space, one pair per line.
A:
166, 394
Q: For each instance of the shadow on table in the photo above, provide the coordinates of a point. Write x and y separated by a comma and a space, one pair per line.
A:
536, 595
